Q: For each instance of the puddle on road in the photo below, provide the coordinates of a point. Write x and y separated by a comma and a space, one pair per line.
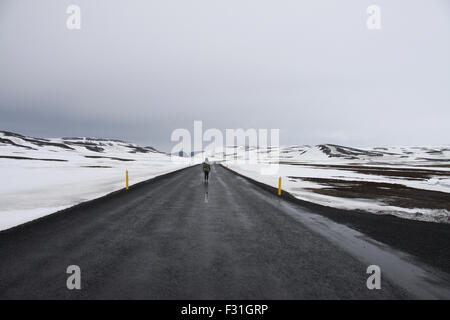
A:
206, 190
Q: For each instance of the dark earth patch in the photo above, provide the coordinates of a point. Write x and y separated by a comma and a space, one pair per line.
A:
26, 158
405, 173
391, 193
111, 158
96, 167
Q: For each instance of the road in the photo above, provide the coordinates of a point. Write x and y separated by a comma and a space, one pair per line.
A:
179, 238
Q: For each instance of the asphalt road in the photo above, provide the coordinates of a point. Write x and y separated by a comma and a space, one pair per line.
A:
179, 238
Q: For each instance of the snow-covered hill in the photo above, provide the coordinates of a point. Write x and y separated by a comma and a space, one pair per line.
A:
409, 182
41, 176
20, 144
331, 153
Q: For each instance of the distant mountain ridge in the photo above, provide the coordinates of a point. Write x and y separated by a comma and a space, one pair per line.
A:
296, 153
99, 145
333, 152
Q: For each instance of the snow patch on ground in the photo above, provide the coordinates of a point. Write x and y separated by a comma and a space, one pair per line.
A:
31, 189
335, 163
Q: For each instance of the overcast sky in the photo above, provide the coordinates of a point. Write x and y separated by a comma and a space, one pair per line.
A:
137, 70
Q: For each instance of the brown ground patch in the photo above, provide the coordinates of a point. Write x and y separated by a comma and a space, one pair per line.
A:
99, 167
435, 166
392, 194
401, 173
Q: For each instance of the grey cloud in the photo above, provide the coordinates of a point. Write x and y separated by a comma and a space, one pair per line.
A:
139, 69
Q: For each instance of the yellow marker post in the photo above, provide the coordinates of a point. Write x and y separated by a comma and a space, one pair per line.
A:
126, 180
279, 186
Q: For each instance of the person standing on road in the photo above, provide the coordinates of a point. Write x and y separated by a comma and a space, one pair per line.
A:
206, 169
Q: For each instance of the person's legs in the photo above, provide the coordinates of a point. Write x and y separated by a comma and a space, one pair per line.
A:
207, 176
